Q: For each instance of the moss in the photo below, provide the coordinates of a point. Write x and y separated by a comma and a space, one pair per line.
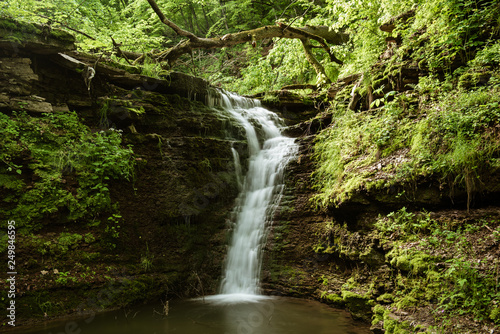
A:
386, 298
333, 298
406, 301
372, 257
130, 69
433, 286
25, 31
378, 314
11, 182
359, 305
62, 35
398, 261
412, 261
472, 79
392, 326
420, 263
15, 25
495, 315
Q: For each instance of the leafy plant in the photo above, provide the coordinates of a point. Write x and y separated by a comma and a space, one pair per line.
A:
112, 230
67, 241
471, 291
60, 149
62, 278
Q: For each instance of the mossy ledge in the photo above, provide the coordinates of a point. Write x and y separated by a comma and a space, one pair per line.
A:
37, 38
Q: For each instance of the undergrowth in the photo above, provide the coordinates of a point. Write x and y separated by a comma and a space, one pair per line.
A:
55, 168
453, 136
442, 264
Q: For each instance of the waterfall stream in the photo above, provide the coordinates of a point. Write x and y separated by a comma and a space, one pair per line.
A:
261, 189
239, 307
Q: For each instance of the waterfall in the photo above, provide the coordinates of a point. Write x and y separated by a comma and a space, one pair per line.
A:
261, 189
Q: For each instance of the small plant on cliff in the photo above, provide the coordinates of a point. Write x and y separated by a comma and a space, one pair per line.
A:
62, 278
112, 231
147, 260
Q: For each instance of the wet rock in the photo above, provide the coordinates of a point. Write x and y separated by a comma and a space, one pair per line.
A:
30, 104
372, 257
378, 328
16, 76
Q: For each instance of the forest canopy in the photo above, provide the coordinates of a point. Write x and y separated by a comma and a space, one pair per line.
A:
130, 31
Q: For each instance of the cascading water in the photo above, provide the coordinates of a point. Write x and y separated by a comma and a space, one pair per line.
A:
261, 190
239, 307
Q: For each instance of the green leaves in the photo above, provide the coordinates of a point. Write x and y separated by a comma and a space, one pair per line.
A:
472, 291
70, 166
452, 32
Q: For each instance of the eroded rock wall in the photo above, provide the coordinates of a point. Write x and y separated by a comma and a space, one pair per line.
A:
171, 217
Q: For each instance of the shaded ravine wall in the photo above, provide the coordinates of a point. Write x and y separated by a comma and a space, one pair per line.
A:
337, 254
173, 215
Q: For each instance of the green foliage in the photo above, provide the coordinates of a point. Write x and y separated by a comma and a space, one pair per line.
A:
471, 291
454, 140
89, 238
58, 246
112, 231
441, 33
459, 145
63, 278
446, 32
284, 65
402, 222
439, 264
69, 167
487, 56
346, 149
69, 240
332, 298
361, 19
130, 24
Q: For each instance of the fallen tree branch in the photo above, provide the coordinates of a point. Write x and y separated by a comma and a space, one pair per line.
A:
119, 51
299, 86
267, 32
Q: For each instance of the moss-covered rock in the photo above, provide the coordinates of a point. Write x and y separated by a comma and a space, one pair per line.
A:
495, 314
471, 79
386, 298
38, 38
333, 299
360, 305
372, 257
411, 261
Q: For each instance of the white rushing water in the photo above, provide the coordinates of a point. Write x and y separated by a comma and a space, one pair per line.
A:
261, 190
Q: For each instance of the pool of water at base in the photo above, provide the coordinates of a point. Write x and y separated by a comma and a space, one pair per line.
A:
268, 316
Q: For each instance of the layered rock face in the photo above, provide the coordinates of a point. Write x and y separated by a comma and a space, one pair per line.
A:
174, 209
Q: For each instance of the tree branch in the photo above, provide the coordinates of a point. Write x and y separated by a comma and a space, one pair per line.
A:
323, 35
163, 18
320, 70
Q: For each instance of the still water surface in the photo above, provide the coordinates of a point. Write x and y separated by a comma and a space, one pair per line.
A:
270, 316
